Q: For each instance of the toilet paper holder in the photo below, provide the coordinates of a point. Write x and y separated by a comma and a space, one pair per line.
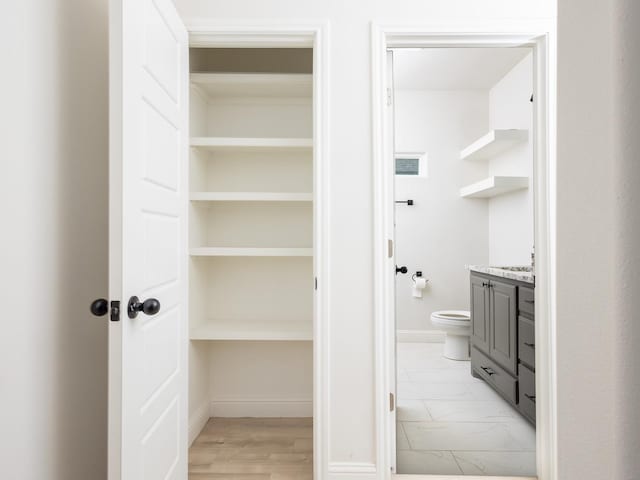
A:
417, 274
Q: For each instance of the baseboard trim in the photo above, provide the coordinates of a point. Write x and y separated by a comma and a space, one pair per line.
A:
261, 407
351, 468
197, 421
420, 336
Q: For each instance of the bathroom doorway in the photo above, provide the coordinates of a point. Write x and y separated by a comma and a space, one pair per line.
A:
463, 120
462, 164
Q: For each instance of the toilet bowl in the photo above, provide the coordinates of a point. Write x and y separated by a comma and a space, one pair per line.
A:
456, 324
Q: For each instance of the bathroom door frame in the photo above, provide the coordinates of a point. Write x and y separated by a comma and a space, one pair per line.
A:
540, 36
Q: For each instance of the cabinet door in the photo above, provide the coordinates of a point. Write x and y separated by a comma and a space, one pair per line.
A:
502, 324
480, 313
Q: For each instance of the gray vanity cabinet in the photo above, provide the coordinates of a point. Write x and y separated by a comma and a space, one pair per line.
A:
502, 338
480, 313
502, 324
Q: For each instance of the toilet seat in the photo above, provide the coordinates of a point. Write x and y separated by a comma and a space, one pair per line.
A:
452, 317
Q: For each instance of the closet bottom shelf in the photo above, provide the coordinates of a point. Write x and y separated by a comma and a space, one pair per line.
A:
253, 330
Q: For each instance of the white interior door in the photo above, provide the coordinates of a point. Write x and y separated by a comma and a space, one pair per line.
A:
391, 296
148, 204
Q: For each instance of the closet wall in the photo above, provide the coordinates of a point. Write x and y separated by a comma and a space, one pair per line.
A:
251, 234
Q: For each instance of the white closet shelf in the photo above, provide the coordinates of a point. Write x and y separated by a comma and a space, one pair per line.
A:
254, 84
255, 144
250, 197
256, 330
250, 252
493, 143
494, 186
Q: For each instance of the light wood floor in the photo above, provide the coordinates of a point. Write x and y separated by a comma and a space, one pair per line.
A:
253, 449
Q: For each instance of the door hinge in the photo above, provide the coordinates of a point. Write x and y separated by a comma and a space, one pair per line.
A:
392, 402
390, 248
115, 311
389, 97
315, 283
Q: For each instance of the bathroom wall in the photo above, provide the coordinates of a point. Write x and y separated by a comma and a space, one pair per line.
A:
441, 232
511, 216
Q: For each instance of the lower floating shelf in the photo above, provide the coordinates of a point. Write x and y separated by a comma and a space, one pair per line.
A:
253, 330
250, 252
494, 186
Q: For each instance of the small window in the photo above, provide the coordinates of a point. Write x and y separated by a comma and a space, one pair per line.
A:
411, 164
407, 166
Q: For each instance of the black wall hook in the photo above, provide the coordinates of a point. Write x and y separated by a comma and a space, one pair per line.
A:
408, 202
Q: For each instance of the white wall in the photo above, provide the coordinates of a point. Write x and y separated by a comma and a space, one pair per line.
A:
351, 402
441, 232
598, 236
511, 216
53, 201
627, 254
261, 379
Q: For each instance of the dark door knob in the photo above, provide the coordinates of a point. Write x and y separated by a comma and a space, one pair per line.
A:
151, 306
402, 269
99, 307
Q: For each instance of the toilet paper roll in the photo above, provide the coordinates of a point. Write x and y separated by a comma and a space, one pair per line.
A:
419, 285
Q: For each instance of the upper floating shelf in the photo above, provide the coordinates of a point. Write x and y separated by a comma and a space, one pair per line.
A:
255, 144
494, 186
250, 197
254, 84
494, 143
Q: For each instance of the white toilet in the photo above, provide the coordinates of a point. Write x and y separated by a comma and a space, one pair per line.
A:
457, 326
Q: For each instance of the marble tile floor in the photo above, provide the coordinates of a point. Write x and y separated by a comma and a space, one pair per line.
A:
450, 423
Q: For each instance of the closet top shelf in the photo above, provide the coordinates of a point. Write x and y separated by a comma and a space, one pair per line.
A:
493, 143
256, 144
250, 252
254, 84
250, 197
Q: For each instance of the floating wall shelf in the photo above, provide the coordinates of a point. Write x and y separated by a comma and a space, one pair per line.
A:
250, 252
494, 186
253, 330
250, 197
254, 84
255, 144
493, 143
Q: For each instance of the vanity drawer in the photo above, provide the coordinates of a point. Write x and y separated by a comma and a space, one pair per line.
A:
526, 341
527, 392
495, 375
526, 299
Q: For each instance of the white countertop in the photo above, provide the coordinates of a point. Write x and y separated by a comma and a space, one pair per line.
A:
519, 273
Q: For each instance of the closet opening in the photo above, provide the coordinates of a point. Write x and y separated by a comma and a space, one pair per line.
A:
251, 262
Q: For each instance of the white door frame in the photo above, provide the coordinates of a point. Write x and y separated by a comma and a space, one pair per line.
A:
270, 34
541, 37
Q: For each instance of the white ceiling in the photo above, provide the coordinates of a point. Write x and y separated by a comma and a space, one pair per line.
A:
453, 68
